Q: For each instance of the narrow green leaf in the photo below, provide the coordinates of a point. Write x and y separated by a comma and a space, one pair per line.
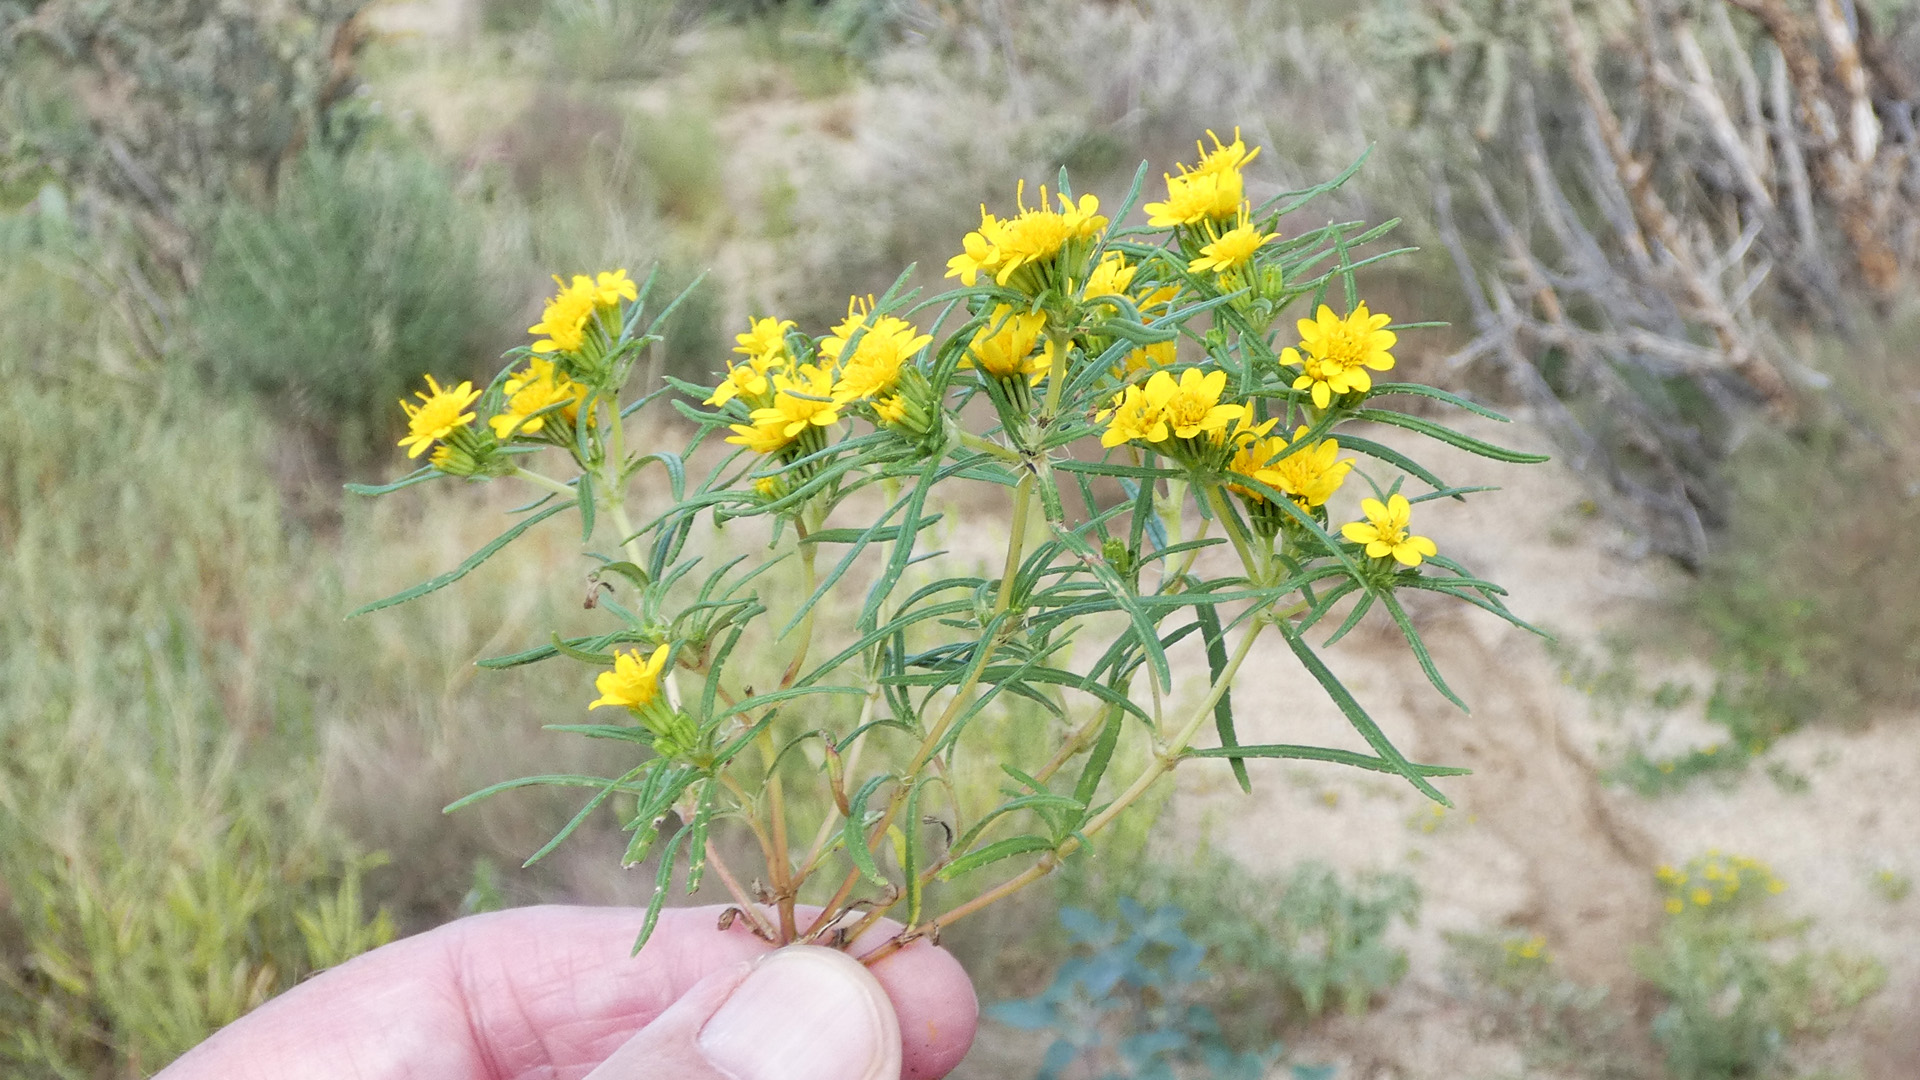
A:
1420, 649
418, 476
1356, 715
583, 488
993, 853
592, 804
916, 838
661, 879
1449, 436
1437, 394
465, 568
1321, 753
1110, 581
1216, 642
697, 847
1099, 758
855, 833
550, 780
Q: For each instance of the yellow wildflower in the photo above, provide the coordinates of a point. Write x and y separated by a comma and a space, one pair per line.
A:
1339, 352
612, 286
747, 379
1232, 249
528, 392
1211, 191
886, 344
1152, 356
1192, 406
1002, 246
439, 413
1309, 475
802, 399
891, 409
564, 320
1675, 905
1005, 346
633, 682
1385, 532
764, 338
1133, 416
1110, 278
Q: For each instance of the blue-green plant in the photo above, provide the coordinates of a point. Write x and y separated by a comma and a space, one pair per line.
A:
1129, 1005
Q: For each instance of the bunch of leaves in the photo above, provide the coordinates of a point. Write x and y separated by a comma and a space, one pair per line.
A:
1129, 1005
1739, 987
364, 270
892, 666
1280, 947
161, 110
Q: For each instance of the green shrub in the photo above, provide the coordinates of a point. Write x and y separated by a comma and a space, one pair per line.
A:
167, 866
1320, 939
1737, 987
364, 273
1560, 1025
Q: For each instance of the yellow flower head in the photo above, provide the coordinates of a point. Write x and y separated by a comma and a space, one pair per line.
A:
440, 412
1005, 346
633, 682
612, 286
1232, 249
1309, 475
1110, 278
528, 392
1002, 246
1339, 352
1385, 532
1211, 191
874, 366
563, 323
765, 338
1133, 416
1192, 405
1223, 158
1150, 357
802, 398
1198, 198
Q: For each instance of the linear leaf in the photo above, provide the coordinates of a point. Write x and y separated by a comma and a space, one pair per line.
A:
1356, 715
465, 568
993, 853
1216, 642
1322, 753
856, 831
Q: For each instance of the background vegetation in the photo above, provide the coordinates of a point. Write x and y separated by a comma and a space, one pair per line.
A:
229, 239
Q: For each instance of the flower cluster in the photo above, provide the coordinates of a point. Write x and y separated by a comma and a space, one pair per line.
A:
1716, 878
1109, 381
542, 402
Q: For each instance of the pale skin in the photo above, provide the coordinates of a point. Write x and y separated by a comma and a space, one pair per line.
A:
552, 993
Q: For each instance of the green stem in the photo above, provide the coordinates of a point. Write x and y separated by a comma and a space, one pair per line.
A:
548, 482
988, 447
613, 482
1256, 572
1056, 374
1016, 542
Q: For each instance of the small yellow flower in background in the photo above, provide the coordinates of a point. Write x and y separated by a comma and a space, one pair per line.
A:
540, 386
1232, 249
764, 339
1385, 532
1675, 905
1006, 346
1716, 879
1529, 949
1192, 405
1339, 352
440, 412
633, 682
1223, 158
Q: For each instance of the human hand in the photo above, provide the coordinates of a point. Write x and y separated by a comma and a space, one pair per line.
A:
551, 992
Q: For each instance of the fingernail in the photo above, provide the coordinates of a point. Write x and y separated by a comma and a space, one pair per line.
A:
805, 1014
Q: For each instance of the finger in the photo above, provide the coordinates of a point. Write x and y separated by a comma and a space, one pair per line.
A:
803, 1013
547, 992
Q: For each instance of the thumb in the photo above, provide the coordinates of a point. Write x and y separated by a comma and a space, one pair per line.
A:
802, 1013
